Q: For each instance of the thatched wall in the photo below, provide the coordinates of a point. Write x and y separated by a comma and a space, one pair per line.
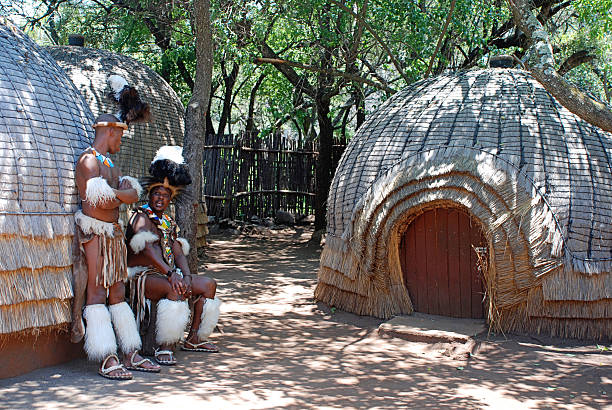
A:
496, 144
44, 126
89, 70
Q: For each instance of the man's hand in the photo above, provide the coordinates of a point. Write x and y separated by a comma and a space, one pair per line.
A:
188, 290
177, 283
125, 184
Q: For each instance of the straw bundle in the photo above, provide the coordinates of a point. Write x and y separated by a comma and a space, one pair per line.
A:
43, 130
494, 143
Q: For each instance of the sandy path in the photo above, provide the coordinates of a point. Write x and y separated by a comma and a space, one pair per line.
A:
280, 349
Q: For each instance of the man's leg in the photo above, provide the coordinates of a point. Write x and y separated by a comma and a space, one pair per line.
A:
205, 314
172, 316
100, 342
126, 330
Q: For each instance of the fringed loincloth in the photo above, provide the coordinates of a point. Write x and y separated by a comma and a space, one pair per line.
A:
112, 258
138, 301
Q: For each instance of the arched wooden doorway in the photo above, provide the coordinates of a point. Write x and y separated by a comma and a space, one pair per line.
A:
440, 264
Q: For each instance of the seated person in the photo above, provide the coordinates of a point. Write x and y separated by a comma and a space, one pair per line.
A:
159, 269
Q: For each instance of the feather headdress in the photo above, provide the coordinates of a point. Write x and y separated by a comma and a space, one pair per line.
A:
131, 107
168, 169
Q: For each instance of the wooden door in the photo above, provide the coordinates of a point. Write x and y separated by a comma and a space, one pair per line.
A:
440, 265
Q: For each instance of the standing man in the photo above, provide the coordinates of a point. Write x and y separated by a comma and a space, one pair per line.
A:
101, 256
156, 256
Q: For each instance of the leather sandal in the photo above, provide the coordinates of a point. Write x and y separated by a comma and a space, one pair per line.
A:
138, 366
106, 371
200, 347
165, 362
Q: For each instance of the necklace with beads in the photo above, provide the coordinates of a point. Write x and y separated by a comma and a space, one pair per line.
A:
102, 158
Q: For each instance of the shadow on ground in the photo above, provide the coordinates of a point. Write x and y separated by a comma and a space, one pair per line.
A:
279, 348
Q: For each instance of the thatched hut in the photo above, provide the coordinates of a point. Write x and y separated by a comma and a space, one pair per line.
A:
474, 194
44, 126
89, 70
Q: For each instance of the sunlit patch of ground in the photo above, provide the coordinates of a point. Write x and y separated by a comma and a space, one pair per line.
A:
280, 349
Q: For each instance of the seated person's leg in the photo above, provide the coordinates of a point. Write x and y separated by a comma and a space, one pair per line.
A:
100, 342
126, 330
205, 315
172, 316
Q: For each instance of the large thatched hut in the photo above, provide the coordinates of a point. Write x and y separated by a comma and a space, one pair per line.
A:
44, 126
475, 194
89, 70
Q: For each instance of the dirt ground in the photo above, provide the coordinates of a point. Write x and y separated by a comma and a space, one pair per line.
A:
280, 349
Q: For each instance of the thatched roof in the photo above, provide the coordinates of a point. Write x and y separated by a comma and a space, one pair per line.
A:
89, 70
44, 127
493, 141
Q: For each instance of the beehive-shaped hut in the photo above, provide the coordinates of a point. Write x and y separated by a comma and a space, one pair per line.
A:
44, 127
89, 70
474, 194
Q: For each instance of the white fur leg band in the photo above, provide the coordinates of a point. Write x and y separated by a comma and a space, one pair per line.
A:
134, 183
98, 191
210, 317
184, 245
99, 336
172, 318
125, 327
140, 240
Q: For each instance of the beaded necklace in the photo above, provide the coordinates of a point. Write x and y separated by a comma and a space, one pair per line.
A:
165, 225
102, 158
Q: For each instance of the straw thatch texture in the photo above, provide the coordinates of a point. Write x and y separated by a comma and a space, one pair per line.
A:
44, 127
493, 142
89, 70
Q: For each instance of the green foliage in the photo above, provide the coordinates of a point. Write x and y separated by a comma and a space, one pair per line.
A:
319, 34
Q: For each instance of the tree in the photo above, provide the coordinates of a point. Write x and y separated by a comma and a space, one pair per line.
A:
195, 125
541, 63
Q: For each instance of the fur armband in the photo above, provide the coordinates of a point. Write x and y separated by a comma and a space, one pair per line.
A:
134, 183
98, 191
184, 245
140, 240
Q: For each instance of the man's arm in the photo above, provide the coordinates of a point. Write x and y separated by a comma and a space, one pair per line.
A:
181, 261
86, 171
129, 190
152, 251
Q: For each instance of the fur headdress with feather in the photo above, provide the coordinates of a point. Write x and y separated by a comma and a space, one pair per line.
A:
168, 169
131, 108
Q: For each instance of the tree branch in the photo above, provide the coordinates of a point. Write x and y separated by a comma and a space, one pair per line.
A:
541, 62
442, 34
279, 62
294, 78
396, 63
576, 59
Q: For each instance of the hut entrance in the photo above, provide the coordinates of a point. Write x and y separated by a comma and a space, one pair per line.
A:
438, 254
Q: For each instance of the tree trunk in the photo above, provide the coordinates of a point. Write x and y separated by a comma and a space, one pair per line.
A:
195, 127
324, 163
229, 81
250, 124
